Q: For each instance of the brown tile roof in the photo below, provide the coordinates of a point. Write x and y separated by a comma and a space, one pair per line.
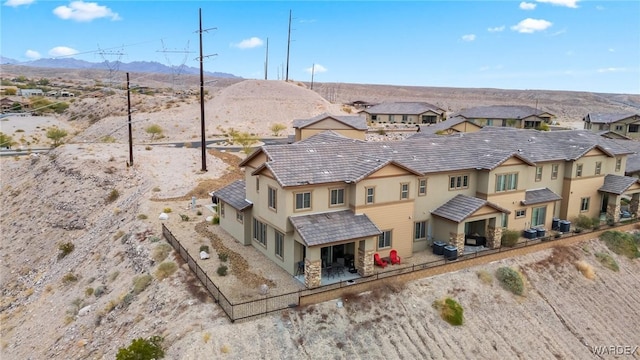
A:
461, 207
607, 118
355, 121
234, 194
540, 196
332, 227
617, 184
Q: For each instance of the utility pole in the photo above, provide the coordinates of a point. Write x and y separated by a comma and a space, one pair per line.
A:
203, 143
313, 69
129, 112
288, 46
266, 61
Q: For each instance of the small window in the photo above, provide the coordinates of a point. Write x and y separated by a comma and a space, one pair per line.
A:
422, 187
391, 119
578, 170
420, 231
404, 191
303, 201
257, 184
633, 128
374, 117
384, 239
506, 182
260, 232
521, 213
539, 173
370, 195
554, 171
619, 128
272, 198
584, 204
458, 182
240, 216
336, 197
405, 118
618, 164
279, 244
221, 209
598, 167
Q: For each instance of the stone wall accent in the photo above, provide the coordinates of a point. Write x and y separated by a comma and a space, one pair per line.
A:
457, 240
613, 212
364, 262
494, 237
633, 205
312, 273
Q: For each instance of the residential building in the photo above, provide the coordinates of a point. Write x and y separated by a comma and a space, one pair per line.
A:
330, 197
452, 125
404, 113
30, 92
517, 116
614, 125
352, 126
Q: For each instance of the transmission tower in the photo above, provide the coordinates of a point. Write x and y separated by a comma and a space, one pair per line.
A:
177, 80
112, 66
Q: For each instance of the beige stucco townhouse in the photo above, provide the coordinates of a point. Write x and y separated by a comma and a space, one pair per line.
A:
517, 116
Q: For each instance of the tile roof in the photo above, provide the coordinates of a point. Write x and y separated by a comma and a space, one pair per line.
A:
500, 112
461, 207
403, 108
617, 184
234, 195
607, 118
355, 121
540, 196
443, 125
332, 227
328, 136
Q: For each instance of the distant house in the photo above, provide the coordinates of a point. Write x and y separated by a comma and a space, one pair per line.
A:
404, 113
9, 105
360, 104
626, 125
30, 92
517, 116
452, 125
351, 126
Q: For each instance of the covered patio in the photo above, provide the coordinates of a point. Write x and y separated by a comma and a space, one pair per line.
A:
614, 188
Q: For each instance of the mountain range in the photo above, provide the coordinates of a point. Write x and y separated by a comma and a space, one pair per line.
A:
134, 66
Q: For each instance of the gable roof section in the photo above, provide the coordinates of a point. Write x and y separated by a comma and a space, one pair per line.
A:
501, 112
461, 207
447, 124
403, 108
234, 195
353, 121
607, 118
332, 227
539, 196
326, 137
616, 184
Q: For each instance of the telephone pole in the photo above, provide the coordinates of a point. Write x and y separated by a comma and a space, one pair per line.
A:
288, 46
203, 143
313, 69
266, 61
129, 112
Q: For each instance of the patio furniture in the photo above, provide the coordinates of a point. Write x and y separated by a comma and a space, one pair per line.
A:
300, 269
395, 259
378, 261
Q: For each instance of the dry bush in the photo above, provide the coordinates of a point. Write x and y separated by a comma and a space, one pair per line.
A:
586, 269
607, 261
160, 252
166, 269
485, 277
450, 311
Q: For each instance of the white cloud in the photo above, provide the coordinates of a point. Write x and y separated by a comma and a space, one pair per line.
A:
527, 6
567, 3
32, 54
612, 50
529, 25
611, 69
249, 43
84, 11
16, 3
318, 69
496, 29
62, 51
599, 7
469, 37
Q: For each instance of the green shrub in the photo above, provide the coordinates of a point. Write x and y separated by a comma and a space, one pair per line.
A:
222, 270
166, 269
450, 311
166, 210
621, 243
99, 291
585, 222
485, 276
223, 257
142, 349
184, 217
69, 278
216, 220
113, 195
510, 237
511, 280
160, 252
607, 261
88, 291
204, 248
140, 283
65, 249
142, 217
199, 213
128, 299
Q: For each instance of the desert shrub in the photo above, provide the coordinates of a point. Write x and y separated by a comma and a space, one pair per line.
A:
277, 128
128, 299
586, 269
223, 257
56, 135
140, 283
485, 276
118, 235
156, 189
511, 280
222, 270
142, 217
142, 349
69, 278
65, 249
160, 252
108, 139
450, 311
114, 275
166, 210
153, 130
113, 195
204, 248
215, 220
88, 291
166, 269
510, 237
148, 148
99, 291
382, 132
184, 217
607, 261
621, 243
584, 222
199, 213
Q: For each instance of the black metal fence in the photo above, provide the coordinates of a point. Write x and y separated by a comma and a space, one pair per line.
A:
268, 304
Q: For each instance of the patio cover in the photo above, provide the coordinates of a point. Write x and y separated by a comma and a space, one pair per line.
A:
332, 227
461, 207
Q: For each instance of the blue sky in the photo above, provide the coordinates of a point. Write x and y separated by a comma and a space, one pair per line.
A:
535, 44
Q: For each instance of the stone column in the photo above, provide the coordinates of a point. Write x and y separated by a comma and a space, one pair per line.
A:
457, 240
312, 273
613, 211
633, 205
364, 262
494, 237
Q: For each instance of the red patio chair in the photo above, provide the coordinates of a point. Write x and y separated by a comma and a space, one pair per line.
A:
378, 261
395, 259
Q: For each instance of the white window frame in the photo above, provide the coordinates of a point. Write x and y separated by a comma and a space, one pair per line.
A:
384, 239
420, 231
367, 195
422, 187
506, 182
272, 198
520, 213
303, 194
240, 216
539, 173
404, 191
459, 182
279, 244
579, 170
340, 193
555, 168
260, 232
584, 204
598, 170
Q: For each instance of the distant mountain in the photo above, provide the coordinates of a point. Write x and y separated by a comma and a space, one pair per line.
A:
135, 66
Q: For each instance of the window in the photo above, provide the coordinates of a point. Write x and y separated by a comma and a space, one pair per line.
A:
391, 119
489, 122
337, 197
578, 170
521, 213
619, 128
404, 191
370, 195
538, 173
618, 164
405, 118
506, 182
554, 171
633, 128
279, 244
221, 209
260, 232
420, 231
584, 204
428, 119
303, 201
598, 167
374, 117
538, 216
257, 184
272, 198
422, 187
458, 182
384, 239
240, 216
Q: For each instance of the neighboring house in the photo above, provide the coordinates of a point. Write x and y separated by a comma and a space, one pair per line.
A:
329, 197
360, 104
620, 124
30, 92
404, 113
9, 105
452, 125
352, 126
517, 116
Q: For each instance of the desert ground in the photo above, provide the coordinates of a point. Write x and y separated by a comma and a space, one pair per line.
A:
90, 302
